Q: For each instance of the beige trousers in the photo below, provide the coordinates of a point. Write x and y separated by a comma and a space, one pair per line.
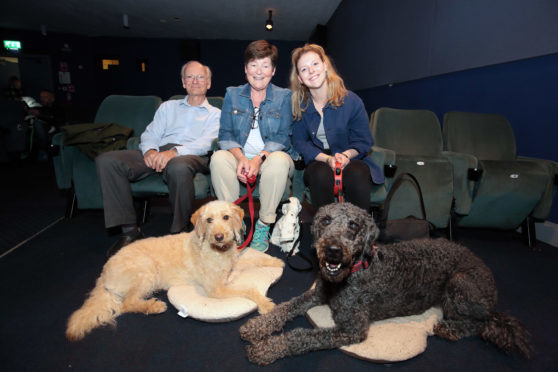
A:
275, 177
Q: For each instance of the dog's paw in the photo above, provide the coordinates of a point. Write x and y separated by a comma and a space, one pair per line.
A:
443, 330
156, 307
267, 351
252, 330
281, 263
266, 306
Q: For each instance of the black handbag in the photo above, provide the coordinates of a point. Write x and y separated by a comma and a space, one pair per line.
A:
410, 227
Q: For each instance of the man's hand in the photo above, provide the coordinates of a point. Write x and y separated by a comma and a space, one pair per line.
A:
158, 160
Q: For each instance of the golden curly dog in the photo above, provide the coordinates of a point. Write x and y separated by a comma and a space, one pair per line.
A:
204, 257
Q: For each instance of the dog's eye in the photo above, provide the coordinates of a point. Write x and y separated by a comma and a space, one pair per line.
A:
209, 220
225, 217
353, 225
327, 220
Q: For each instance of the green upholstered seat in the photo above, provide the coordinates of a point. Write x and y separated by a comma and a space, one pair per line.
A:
74, 168
412, 141
510, 188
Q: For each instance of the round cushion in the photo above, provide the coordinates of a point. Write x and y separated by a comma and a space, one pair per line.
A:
389, 340
190, 300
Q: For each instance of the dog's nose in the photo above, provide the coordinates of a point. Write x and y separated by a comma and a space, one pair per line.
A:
334, 252
219, 237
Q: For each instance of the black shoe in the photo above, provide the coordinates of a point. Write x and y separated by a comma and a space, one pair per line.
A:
123, 241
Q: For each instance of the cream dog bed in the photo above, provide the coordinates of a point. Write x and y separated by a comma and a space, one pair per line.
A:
191, 301
389, 340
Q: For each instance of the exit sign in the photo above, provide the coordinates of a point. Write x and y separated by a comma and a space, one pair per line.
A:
12, 45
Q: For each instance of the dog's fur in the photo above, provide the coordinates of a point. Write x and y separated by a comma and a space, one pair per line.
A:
403, 278
204, 257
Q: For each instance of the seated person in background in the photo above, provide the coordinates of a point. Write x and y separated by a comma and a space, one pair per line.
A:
175, 144
48, 118
254, 137
331, 125
14, 90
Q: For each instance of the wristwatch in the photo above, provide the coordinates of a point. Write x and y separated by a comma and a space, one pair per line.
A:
262, 155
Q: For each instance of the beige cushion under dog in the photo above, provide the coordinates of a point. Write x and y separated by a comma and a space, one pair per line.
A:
190, 300
389, 340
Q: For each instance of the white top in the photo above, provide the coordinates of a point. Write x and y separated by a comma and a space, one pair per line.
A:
254, 143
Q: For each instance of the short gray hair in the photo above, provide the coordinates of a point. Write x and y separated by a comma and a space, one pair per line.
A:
207, 69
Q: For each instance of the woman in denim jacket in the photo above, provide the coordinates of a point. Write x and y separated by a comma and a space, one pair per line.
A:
331, 126
254, 137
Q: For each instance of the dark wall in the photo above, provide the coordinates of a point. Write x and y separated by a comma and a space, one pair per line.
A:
389, 41
164, 58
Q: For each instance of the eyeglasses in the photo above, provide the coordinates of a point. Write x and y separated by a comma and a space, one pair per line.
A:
193, 77
256, 118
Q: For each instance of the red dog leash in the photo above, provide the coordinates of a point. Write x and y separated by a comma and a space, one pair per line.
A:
250, 184
338, 182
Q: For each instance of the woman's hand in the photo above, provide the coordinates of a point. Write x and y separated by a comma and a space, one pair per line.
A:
248, 168
342, 159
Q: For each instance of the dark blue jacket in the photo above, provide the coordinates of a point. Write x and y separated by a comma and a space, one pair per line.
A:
346, 127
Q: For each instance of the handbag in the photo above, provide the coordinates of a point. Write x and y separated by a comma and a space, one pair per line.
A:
410, 227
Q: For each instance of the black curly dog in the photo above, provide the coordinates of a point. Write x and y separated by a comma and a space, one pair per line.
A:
362, 282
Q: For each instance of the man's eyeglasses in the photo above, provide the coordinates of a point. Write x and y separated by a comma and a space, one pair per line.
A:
192, 77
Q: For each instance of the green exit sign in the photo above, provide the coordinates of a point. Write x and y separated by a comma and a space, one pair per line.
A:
12, 45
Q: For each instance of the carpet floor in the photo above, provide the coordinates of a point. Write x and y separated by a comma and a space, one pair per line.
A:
47, 277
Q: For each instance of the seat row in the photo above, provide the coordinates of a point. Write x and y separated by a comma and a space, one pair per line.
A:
468, 168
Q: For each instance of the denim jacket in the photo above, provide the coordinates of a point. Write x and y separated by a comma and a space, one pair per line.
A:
275, 119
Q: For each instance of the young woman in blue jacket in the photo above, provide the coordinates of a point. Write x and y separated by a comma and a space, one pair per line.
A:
330, 126
254, 137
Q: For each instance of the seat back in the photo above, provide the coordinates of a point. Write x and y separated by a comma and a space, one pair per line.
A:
407, 132
134, 112
486, 136
215, 101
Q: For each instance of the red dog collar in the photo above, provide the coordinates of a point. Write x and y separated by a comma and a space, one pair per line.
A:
364, 262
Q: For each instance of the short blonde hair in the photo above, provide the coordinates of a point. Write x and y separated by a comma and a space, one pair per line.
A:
300, 98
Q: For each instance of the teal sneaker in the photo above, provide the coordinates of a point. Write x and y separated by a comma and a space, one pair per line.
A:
260, 241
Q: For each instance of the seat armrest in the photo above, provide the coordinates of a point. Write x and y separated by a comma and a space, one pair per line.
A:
133, 143
382, 156
466, 173
542, 209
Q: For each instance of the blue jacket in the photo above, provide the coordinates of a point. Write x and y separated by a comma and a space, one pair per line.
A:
346, 127
275, 124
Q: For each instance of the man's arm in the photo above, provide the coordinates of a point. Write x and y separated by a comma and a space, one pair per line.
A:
151, 136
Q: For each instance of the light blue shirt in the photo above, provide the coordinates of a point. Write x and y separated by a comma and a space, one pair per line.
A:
192, 127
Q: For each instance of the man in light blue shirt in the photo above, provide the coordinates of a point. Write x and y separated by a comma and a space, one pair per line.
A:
175, 144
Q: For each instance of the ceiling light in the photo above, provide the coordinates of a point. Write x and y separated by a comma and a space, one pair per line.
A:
269, 22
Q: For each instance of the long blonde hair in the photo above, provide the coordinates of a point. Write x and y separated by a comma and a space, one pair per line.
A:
300, 98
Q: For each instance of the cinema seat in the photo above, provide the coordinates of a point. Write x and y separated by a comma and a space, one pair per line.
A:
497, 188
75, 170
411, 141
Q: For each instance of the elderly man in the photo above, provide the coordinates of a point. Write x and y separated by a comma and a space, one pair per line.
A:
175, 144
